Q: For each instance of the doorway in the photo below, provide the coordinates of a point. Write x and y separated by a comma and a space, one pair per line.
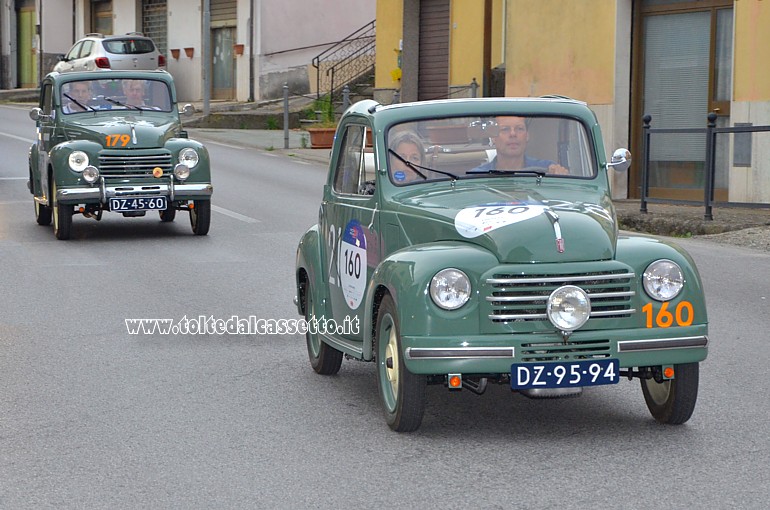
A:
223, 63
683, 58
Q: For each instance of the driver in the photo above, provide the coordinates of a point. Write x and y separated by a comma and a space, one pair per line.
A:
410, 148
511, 144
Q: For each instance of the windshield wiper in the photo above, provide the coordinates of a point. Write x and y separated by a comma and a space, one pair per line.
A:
119, 103
85, 107
534, 170
415, 167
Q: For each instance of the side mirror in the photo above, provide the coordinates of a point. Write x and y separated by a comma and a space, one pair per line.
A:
36, 114
621, 160
188, 109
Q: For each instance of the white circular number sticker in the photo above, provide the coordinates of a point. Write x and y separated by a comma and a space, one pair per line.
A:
352, 261
481, 219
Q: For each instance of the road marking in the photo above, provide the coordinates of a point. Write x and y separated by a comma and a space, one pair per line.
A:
17, 137
233, 214
224, 144
13, 178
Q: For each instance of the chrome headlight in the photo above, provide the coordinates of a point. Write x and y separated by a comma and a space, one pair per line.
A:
568, 307
78, 161
182, 171
90, 174
663, 280
450, 289
188, 157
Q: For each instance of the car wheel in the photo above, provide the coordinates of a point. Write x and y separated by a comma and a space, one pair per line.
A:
325, 359
200, 217
62, 217
673, 401
168, 215
402, 392
42, 213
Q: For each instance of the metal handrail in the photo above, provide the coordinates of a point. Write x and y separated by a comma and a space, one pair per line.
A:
710, 131
346, 54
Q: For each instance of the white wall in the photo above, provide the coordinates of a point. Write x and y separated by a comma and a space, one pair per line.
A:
184, 31
124, 17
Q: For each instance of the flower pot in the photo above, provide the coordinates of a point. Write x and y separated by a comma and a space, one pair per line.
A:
322, 138
238, 49
189, 52
175, 53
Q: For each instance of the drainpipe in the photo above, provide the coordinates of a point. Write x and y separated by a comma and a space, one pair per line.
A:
206, 37
251, 51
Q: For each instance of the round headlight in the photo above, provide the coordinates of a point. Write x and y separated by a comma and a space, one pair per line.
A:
78, 160
450, 289
182, 171
568, 307
188, 157
90, 174
663, 280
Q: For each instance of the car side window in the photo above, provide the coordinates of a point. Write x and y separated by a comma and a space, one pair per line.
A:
46, 101
73, 54
349, 177
86, 48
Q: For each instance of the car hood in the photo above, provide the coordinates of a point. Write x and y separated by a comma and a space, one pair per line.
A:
516, 225
144, 131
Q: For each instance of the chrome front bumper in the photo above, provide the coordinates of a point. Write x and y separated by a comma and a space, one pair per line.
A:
103, 192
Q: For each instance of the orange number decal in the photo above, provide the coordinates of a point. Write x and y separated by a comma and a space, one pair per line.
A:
112, 140
665, 319
124, 139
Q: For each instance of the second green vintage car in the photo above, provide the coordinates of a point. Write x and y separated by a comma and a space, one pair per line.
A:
474, 242
113, 141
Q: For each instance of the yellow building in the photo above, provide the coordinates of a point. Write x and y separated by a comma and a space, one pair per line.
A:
675, 60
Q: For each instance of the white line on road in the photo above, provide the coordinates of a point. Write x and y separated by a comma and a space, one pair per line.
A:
224, 144
233, 214
17, 137
13, 178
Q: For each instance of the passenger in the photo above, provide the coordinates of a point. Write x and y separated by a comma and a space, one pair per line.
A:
134, 92
409, 147
79, 93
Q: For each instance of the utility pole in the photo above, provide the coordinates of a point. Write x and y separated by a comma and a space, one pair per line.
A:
206, 38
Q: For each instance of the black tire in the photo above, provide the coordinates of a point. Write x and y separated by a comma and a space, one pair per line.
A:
62, 217
200, 217
673, 401
325, 359
42, 213
402, 393
168, 215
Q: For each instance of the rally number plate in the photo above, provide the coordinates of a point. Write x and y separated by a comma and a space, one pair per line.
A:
138, 204
564, 375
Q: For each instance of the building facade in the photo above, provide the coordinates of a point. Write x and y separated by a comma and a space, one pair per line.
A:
674, 60
255, 45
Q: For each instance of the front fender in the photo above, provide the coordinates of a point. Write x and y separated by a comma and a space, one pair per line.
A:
406, 276
308, 268
638, 251
59, 156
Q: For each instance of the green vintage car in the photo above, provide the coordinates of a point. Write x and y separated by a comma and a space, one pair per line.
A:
113, 141
475, 241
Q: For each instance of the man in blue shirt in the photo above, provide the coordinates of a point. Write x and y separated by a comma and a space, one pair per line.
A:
511, 145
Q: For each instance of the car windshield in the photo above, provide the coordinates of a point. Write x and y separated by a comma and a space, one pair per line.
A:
500, 146
115, 94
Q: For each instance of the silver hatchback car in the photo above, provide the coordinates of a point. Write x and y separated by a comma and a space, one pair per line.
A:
130, 52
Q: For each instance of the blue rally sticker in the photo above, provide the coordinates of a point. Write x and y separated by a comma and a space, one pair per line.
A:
399, 176
352, 263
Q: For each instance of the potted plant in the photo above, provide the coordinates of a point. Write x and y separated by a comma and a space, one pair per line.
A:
322, 132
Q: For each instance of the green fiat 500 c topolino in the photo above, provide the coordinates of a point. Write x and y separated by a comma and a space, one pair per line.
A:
113, 141
474, 242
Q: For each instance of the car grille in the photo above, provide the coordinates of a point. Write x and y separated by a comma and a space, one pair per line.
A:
571, 350
134, 164
517, 298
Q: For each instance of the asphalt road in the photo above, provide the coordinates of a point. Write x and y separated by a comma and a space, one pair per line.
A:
93, 417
